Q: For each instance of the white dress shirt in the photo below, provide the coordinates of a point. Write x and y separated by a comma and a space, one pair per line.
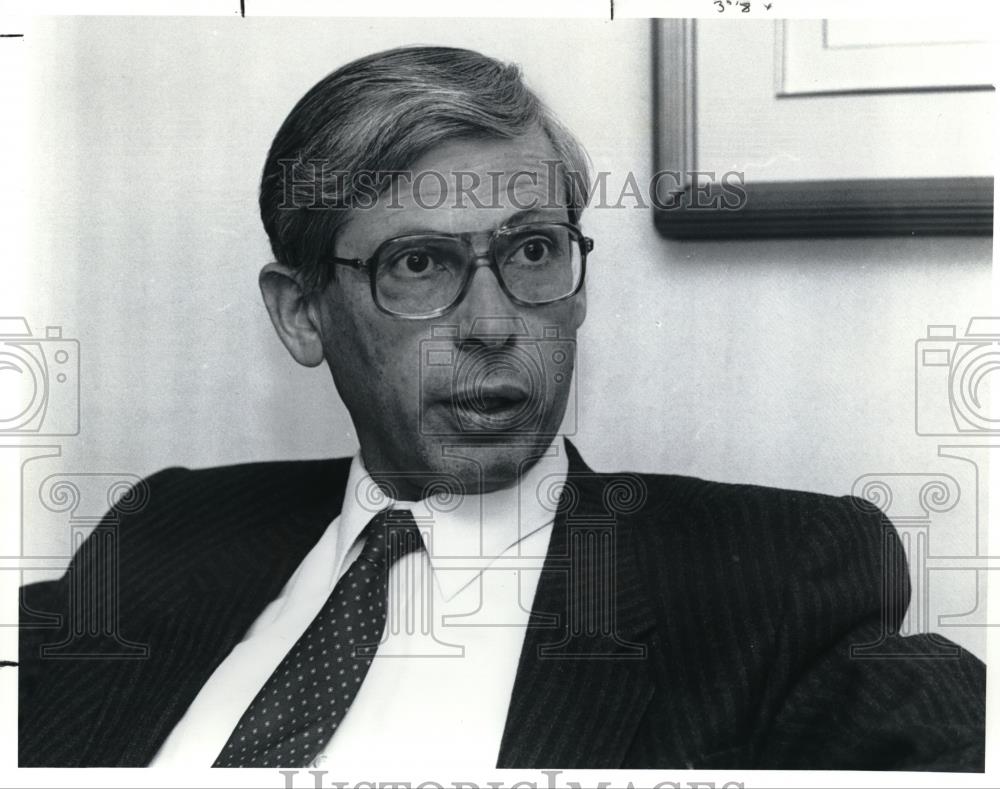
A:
438, 689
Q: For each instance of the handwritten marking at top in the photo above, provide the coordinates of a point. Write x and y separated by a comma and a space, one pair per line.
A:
744, 6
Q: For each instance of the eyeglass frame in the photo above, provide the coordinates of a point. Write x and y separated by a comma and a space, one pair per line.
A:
586, 246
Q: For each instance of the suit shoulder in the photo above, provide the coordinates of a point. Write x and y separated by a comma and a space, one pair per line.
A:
196, 520
761, 550
705, 490
747, 514
241, 498
245, 481
278, 470
681, 490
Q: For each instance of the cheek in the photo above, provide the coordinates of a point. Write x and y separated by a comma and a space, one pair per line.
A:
384, 362
352, 348
566, 317
399, 365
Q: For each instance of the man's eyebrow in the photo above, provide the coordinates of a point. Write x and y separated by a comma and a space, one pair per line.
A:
520, 218
531, 214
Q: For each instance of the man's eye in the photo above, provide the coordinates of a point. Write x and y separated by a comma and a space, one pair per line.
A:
417, 262
413, 264
534, 250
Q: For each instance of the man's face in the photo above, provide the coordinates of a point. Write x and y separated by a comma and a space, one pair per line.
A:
409, 398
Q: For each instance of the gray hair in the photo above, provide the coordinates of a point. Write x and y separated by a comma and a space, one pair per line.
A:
379, 114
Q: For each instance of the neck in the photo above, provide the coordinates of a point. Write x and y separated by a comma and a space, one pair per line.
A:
467, 469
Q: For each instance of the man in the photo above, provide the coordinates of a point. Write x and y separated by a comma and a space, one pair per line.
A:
466, 591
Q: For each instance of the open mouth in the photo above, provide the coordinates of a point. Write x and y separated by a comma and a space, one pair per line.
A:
492, 407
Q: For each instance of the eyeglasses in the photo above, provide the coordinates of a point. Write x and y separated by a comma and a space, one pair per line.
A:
426, 274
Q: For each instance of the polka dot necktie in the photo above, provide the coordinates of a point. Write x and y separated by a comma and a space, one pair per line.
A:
303, 702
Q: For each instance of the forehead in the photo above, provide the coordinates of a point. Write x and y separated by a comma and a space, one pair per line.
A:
463, 186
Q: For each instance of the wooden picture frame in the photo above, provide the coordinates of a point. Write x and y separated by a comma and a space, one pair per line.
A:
812, 207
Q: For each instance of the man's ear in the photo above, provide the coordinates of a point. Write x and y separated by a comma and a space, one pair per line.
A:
295, 317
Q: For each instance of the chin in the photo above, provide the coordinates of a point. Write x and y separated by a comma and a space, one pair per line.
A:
486, 463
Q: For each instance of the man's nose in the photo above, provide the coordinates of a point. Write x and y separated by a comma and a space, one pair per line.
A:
487, 316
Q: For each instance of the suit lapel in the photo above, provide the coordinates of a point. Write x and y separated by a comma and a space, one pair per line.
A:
582, 681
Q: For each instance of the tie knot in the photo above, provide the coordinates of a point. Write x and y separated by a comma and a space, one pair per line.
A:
389, 536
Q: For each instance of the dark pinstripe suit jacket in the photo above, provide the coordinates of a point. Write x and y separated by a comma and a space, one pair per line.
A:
677, 623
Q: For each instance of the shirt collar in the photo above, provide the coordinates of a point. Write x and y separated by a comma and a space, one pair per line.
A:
479, 527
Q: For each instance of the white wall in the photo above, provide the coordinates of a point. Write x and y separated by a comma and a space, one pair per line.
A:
779, 362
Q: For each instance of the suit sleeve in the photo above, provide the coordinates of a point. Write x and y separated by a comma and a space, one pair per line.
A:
848, 691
